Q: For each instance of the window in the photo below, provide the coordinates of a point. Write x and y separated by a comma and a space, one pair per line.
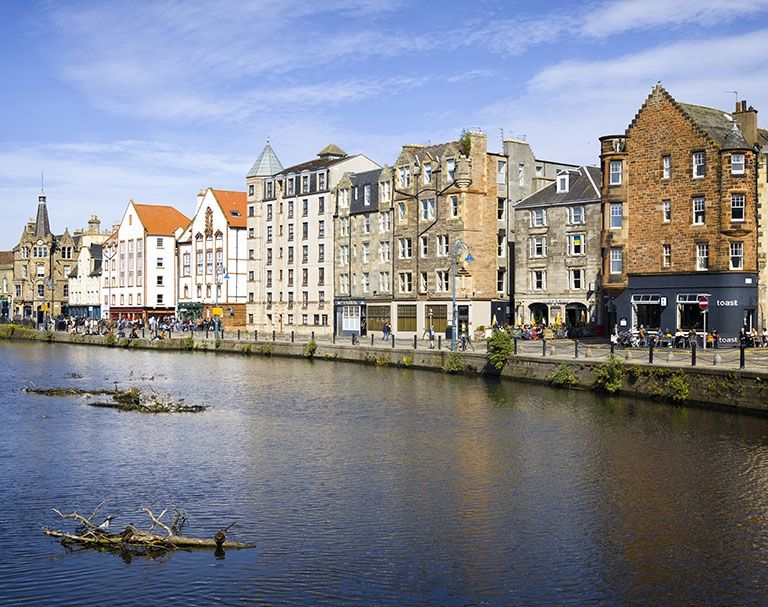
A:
406, 317
344, 254
576, 244
344, 283
321, 276
699, 164
616, 215
321, 204
268, 189
405, 176
538, 218
702, 256
290, 209
428, 208
615, 167
501, 205
321, 229
666, 167
366, 221
562, 183
159, 243
617, 260
366, 282
291, 187
737, 207
423, 282
423, 246
737, 164
41, 290
384, 190
304, 207
367, 194
384, 251
538, 280
500, 245
666, 211
384, 284
160, 280
441, 281
501, 171
344, 226
290, 278
442, 247
538, 246
521, 175
450, 166
159, 299
321, 252
737, 255
304, 184
304, 253
401, 212
269, 278
321, 181
576, 215
405, 282
250, 190
269, 233
365, 251
159, 262
269, 212
454, 202
304, 277
404, 248
666, 255
304, 230
576, 279
698, 210
385, 221
501, 280
427, 172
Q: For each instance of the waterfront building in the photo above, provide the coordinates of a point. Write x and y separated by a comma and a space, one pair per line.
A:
141, 273
444, 207
519, 174
292, 224
6, 285
85, 278
212, 258
680, 218
42, 263
557, 232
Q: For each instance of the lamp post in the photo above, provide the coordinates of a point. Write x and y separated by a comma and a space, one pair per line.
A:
458, 248
221, 275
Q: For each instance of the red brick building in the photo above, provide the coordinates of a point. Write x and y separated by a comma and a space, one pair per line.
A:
680, 218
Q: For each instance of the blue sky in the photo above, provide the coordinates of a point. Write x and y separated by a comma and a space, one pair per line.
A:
154, 100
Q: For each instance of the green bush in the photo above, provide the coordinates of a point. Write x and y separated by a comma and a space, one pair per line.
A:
217, 343
609, 375
111, 340
124, 342
454, 364
562, 375
678, 387
465, 143
246, 348
189, 343
406, 361
310, 348
265, 350
500, 347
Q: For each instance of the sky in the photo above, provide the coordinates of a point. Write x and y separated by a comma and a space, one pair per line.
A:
152, 101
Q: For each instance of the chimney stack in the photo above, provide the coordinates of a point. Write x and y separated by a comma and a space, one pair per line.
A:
746, 117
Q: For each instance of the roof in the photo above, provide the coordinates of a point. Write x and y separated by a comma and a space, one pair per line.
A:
584, 187
233, 205
314, 165
266, 164
331, 150
717, 124
6, 258
160, 219
360, 180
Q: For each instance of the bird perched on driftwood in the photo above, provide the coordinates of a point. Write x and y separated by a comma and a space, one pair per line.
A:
105, 524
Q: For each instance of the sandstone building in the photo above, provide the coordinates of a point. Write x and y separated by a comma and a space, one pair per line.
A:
680, 218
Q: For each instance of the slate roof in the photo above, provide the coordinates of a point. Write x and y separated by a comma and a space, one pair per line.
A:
717, 124
266, 164
313, 165
233, 205
581, 189
160, 219
331, 150
97, 256
42, 225
360, 180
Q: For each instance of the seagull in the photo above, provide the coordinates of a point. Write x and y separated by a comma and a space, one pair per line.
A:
105, 524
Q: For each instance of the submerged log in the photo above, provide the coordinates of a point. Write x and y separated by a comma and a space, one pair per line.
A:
133, 537
130, 399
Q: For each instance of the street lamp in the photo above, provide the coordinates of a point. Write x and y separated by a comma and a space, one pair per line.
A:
221, 275
458, 248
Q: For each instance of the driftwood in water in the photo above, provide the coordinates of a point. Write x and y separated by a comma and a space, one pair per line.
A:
130, 399
90, 535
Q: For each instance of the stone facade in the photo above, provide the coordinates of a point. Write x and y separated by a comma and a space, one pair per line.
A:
557, 231
85, 279
6, 285
680, 198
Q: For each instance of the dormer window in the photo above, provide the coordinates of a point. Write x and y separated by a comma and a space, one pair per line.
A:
562, 183
427, 172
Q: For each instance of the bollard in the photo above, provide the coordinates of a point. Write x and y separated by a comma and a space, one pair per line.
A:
693, 353
543, 347
313, 336
170, 333
650, 352
716, 359
273, 335
206, 332
371, 338
142, 333
439, 342
575, 348
292, 336
515, 343
333, 337
238, 335
414, 342
742, 351
255, 335
670, 357
393, 340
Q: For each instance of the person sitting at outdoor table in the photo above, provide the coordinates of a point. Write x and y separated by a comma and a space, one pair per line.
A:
641, 336
692, 337
765, 337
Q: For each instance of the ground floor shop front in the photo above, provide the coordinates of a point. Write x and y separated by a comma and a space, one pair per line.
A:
704, 302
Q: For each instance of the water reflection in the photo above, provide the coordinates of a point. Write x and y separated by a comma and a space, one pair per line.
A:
379, 486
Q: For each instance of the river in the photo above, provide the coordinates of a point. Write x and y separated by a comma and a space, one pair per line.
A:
363, 485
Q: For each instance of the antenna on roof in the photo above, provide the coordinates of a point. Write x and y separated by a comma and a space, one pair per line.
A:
735, 93
267, 139
42, 182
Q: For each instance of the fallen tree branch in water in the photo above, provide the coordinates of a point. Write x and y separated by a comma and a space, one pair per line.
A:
130, 399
